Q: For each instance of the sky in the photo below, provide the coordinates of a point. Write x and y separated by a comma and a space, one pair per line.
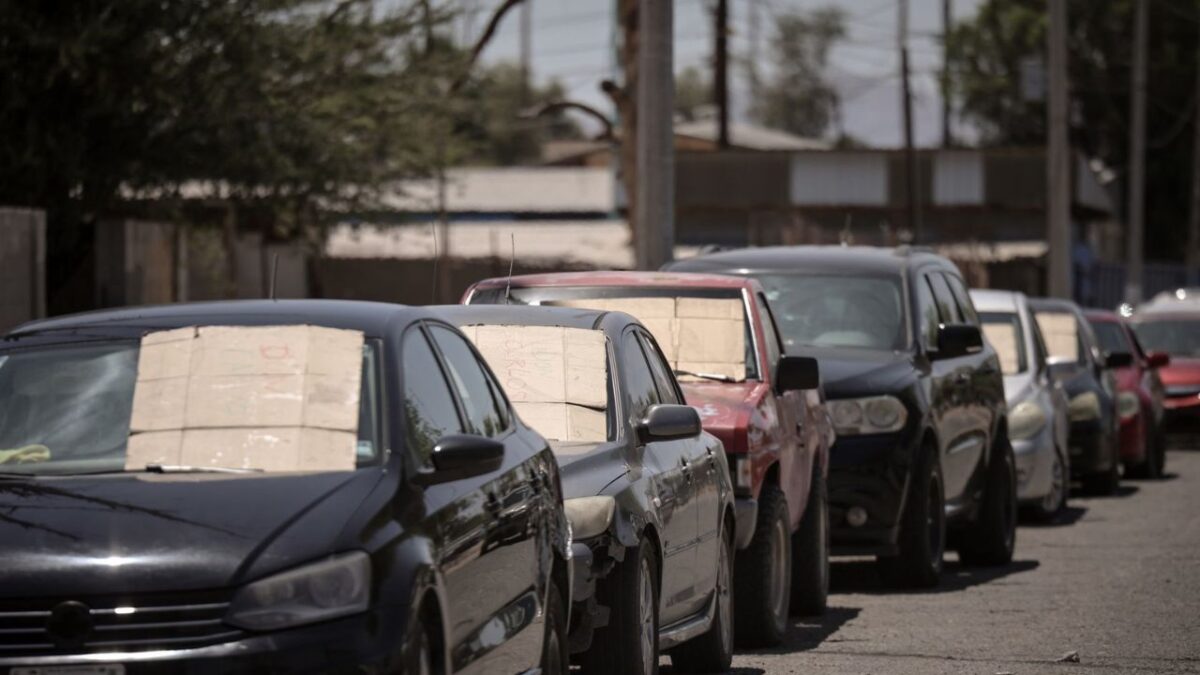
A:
572, 43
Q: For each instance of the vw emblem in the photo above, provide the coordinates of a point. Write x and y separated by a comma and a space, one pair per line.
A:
70, 623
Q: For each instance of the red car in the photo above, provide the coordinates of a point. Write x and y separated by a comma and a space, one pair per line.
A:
767, 408
1175, 330
1139, 396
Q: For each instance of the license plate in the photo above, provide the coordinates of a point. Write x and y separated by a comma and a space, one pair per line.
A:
70, 670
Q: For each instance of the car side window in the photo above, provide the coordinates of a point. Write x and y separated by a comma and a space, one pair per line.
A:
927, 312
639, 383
429, 409
966, 308
774, 347
663, 381
482, 409
947, 307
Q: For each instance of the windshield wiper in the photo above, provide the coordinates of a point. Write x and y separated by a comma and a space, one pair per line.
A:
172, 468
705, 376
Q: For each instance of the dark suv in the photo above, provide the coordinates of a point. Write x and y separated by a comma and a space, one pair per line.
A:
917, 399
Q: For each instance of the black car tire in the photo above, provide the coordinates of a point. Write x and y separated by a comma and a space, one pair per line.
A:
419, 657
992, 538
810, 553
712, 652
1151, 467
629, 643
922, 537
1047, 510
554, 643
1104, 483
764, 574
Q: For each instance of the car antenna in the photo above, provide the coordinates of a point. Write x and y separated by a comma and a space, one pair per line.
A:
512, 258
274, 275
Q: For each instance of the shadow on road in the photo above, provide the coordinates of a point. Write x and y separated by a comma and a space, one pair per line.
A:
1123, 490
1069, 516
861, 576
810, 632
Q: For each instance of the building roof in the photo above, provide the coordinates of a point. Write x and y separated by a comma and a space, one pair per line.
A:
750, 136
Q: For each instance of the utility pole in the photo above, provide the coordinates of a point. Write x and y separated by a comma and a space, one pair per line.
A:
1137, 156
721, 76
655, 203
754, 35
911, 182
1192, 254
1058, 163
947, 24
526, 36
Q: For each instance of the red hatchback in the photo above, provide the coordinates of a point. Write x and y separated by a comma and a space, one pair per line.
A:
1176, 331
1139, 396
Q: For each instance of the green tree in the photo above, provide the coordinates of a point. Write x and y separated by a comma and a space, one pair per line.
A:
693, 93
984, 74
496, 123
797, 97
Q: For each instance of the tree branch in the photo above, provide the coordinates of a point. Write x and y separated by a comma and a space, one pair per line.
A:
557, 106
483, 40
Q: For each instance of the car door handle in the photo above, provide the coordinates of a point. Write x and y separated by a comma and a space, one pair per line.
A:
686, 468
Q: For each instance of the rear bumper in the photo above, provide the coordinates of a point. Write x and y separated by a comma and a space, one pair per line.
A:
869, 473
1181, 421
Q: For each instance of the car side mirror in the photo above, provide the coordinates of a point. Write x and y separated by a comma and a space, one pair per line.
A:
797, 372
1158, 360
1059, 367
1118, 360
955, 340
668, 422
464, 456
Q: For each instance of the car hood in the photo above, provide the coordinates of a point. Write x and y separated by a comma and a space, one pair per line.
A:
1181, 371
587, 468
727, 409
146, 533
847, 373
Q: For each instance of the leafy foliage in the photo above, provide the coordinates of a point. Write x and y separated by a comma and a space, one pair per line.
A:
797, 98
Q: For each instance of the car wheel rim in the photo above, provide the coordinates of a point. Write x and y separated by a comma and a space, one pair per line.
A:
724, 606
1053, 500
778, 581
646, 616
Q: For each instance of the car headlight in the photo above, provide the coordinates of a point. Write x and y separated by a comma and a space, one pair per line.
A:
1083, 407
872, 415
326, 590
1025, 420
589, 516
1127, 405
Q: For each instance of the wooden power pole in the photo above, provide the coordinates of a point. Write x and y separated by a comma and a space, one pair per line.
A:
947, 24
1058, 162
1137, 157
1192, 254
911, 182
655, 200
721, 74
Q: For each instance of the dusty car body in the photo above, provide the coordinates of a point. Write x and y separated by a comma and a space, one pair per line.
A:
1037, 404
448, 540
648, 495
776, 434
1086, 374
916, 396
1140, 396
1174, 329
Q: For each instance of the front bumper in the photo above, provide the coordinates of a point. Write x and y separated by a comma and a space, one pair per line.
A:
365, 643
745, 510
1035, 465
1181, 421
870, 473
1091, 450
1133, 439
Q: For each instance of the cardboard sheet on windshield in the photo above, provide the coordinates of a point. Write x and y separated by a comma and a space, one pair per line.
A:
556, 378
703, 335
276, 398
1060, 333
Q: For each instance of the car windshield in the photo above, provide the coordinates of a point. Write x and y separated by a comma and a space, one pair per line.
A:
66, 409
676, 329
1003, 331
860, 312
1177, 337
1111, 338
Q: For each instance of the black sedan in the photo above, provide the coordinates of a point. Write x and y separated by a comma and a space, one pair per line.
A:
647, 492
922, 457
405, 520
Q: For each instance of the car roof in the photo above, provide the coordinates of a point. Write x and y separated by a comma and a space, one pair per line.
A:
841, 259
371, 318
988, 300
610, 278
534, 315
1166, 313
1054, 304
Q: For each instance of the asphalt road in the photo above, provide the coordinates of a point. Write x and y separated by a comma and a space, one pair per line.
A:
1117, 581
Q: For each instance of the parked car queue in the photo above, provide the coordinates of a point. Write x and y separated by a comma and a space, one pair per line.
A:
624, 465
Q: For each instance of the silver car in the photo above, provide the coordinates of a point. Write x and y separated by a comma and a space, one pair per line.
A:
1037, 405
